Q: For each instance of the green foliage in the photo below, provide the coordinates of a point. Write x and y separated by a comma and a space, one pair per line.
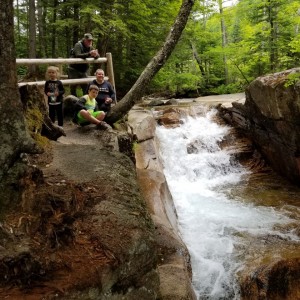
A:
21, 71
34, 121
261, 36
228, 89
135, 146
176, 83
292, 79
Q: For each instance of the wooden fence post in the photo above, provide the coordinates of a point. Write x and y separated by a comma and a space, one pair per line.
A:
110, 72
61, 70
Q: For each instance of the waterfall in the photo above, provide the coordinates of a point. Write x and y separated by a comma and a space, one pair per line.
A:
216, 227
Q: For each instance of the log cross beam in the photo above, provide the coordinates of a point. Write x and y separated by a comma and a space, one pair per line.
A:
62, 61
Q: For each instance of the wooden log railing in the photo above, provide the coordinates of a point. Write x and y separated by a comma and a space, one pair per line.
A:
61, 61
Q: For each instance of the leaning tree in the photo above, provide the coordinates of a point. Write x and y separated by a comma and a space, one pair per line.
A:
136, 92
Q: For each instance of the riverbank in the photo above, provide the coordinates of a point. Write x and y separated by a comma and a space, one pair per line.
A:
83, 231
108, 227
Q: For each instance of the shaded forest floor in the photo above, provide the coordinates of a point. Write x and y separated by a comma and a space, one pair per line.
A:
51, 249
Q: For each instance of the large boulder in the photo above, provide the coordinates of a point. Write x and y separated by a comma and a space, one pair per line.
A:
271, 117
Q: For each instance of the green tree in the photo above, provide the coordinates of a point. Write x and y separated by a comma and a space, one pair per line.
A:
138, 89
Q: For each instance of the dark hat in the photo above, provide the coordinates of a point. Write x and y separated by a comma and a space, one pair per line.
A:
88, 36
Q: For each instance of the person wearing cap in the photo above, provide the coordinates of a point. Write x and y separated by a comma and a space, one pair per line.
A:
82, 49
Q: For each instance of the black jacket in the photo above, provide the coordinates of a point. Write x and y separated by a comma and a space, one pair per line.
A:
105, 90
53, 86
80, 51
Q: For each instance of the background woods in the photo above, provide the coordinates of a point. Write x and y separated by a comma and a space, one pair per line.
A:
225, 45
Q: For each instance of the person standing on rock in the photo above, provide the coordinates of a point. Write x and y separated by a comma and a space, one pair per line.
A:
54, 91
106, 93
85, 110
82, 49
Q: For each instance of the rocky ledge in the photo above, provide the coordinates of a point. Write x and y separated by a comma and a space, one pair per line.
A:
271, 118
92, 225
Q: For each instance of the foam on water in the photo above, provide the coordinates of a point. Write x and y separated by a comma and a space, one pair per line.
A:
210, 223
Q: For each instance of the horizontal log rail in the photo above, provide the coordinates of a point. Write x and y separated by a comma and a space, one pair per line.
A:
59, 61
62, 61
65, 81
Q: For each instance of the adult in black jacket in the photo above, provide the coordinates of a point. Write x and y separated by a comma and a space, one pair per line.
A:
106, 93
82, 49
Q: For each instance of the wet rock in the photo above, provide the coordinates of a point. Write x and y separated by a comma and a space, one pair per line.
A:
194, 146
173, 258
277, 281
156, 102
141, 125
171, 118
172, 102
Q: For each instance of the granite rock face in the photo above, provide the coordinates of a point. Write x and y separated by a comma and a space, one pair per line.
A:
271, 118
279, 280
174, 267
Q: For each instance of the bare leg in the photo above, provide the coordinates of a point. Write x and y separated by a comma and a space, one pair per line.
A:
85, 114
101, 116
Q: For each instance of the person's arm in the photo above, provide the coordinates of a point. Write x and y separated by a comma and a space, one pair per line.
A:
46, 89
80, 104
78, 51
112, 93
61, 89
97, 54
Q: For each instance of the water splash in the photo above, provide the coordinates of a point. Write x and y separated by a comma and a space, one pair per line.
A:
212, 225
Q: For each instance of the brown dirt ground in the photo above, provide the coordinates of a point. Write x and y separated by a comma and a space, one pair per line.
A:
62, 256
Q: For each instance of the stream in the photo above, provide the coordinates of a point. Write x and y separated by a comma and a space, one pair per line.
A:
231, 219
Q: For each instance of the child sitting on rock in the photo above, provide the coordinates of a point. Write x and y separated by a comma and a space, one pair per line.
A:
85, 110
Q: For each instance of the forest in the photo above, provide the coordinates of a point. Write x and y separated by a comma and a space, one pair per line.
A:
225, 45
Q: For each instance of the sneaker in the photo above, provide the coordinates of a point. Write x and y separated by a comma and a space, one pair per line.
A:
103, 125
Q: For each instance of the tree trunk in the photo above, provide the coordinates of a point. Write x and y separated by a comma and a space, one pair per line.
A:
272, 15
13, 134
76, 18
32, 35
53, 31
41, 26
17, 13
224, 40
197, 58
136, 92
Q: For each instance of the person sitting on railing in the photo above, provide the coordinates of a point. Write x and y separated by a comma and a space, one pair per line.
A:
106, 93
82, 49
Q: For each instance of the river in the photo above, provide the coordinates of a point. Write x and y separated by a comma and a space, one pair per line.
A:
229, 218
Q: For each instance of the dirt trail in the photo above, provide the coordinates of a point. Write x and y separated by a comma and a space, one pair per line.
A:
78, 135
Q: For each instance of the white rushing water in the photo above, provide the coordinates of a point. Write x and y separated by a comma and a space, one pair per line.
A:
210, 223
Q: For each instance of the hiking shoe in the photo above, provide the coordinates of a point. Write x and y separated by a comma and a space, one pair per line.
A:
103, 125
61, 130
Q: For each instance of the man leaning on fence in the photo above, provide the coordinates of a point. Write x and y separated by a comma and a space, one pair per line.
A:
82, 49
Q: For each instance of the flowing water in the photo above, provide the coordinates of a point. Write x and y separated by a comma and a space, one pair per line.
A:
229, 219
